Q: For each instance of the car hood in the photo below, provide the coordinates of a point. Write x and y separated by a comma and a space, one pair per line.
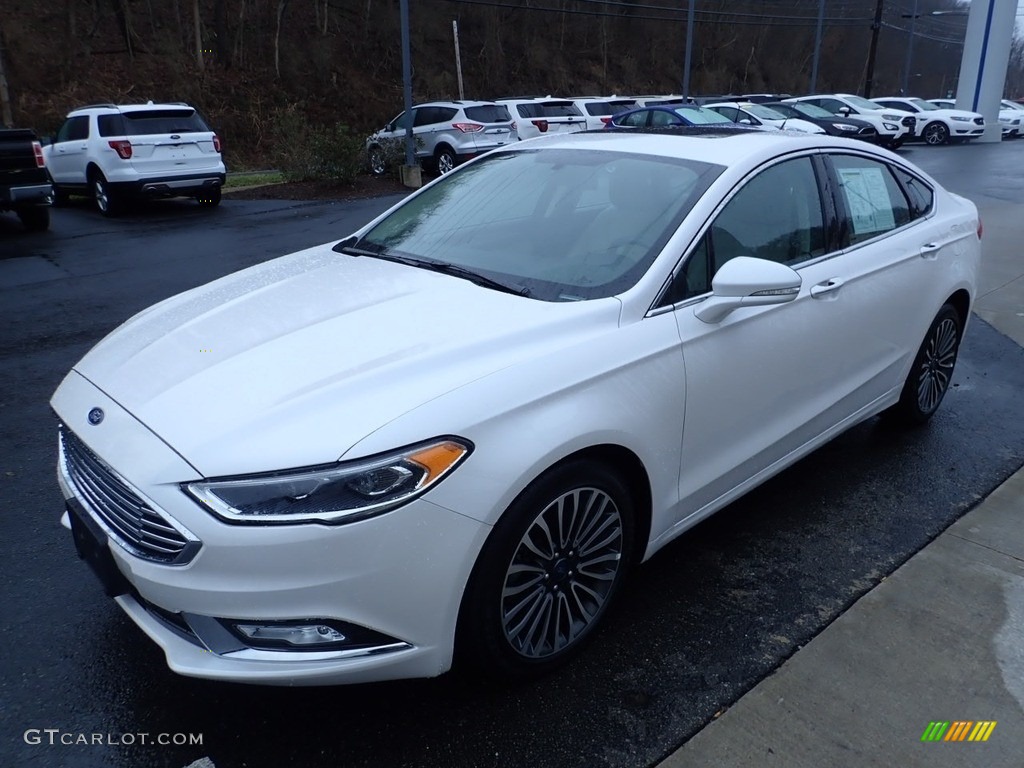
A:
292, 362
942, 112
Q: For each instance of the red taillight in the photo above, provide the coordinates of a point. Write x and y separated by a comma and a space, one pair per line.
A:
468, 127
37, 150
216, 143
606, 120
980, 228
542, 125
122, 147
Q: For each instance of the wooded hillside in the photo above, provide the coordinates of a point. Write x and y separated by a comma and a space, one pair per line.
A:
253, 65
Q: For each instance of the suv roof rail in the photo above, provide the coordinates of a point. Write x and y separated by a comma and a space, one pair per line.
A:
95, 106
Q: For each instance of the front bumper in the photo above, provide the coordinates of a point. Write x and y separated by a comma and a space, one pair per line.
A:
400, 575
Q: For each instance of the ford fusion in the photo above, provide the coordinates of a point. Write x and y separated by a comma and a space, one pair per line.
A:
450, 435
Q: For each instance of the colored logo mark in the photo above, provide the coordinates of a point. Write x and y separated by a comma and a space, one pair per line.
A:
958, 730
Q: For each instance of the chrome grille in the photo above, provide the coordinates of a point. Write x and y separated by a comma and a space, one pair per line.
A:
131, 521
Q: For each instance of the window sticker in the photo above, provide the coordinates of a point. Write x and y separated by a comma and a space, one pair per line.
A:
868, 198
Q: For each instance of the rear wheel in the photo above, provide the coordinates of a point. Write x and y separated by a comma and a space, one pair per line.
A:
378, 165
106, 200
35, 217
930, 375
445, 160
935, 134
209, 198
548, 572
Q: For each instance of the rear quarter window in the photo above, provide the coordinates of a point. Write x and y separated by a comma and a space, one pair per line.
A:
143, 122
489, 113
111, 125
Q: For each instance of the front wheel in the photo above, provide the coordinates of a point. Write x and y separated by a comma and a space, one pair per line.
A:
930, 375
548, 572
36, 218
935, 134
378, 164
895, 144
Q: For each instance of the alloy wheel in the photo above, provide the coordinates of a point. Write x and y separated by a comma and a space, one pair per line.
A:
936, 368
99, 189
935, 134
445, 163
562, 573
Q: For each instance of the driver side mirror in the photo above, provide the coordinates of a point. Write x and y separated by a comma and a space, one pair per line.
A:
845, 111
744, 281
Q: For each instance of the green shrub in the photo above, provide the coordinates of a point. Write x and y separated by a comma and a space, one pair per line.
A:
317, 152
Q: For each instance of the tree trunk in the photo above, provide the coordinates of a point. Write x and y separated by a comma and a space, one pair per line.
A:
281, 5
220, 28
198, 25
5, 94
238, 37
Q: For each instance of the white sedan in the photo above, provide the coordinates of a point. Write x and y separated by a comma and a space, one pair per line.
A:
938, 125
452, 433
748, 113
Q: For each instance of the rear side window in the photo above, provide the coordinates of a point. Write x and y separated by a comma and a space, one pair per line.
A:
149, 121
875, 203
489, 113
605, 108
111, 125
74, 129
530, 110
919, 194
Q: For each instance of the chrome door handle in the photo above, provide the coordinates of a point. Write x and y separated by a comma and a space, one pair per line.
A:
830, 286
930, 250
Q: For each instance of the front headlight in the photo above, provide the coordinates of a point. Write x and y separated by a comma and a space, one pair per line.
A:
891, 127
844, 126
338, 493
960, 119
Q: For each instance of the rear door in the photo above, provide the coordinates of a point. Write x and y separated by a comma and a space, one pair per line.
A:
169, 141
66, 158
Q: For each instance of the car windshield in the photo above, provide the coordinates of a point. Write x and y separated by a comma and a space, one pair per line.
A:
812, 110
701, 116
860, 103
923, 105
1012, 105
765, 113
567, 224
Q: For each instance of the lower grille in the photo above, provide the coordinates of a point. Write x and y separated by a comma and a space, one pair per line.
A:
133, 524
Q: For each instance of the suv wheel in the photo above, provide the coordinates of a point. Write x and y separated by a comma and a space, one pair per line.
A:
445, 159
209, 199
107, 203
35, 217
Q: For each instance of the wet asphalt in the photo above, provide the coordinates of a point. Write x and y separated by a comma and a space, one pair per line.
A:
697, 626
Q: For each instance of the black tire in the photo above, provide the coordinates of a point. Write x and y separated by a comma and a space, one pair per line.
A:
445, 160
533, 601
932, 370
935, 134
36, 218
895, 144
107, 202
377, 161
209, 198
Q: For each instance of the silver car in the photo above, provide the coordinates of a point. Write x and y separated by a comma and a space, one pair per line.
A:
446, 134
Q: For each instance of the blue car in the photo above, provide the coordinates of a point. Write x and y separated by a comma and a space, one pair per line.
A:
676, 114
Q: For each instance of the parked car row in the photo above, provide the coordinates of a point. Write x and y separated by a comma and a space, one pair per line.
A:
450, 132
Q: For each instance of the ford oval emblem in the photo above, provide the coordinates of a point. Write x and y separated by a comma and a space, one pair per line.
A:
95, 416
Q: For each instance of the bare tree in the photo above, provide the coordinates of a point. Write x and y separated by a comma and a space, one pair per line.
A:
198, 25
281, 5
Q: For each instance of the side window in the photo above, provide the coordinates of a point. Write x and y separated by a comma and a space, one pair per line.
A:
75, 129
636, 120
660, 117
731, 112
833, 105
445, 114
424, 116
920, 194
776, 216
874, 202
111, 125
398, 124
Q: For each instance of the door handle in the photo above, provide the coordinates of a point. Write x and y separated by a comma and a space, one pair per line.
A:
830, 286
930, 250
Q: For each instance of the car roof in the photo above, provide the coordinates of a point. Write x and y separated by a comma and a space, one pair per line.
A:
454, 104
717, 144
115, 108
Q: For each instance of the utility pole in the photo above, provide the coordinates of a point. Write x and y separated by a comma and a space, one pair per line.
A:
458, 58
689, 50
910, 52
817, 46
876, 27
6, 118
410, 154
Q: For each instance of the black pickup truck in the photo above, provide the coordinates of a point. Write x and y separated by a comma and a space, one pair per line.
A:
24, 183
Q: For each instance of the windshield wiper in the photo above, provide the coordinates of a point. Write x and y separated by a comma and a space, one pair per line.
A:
353, 246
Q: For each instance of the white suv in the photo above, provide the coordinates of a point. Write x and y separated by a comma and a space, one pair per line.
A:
544, 116
144, 150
